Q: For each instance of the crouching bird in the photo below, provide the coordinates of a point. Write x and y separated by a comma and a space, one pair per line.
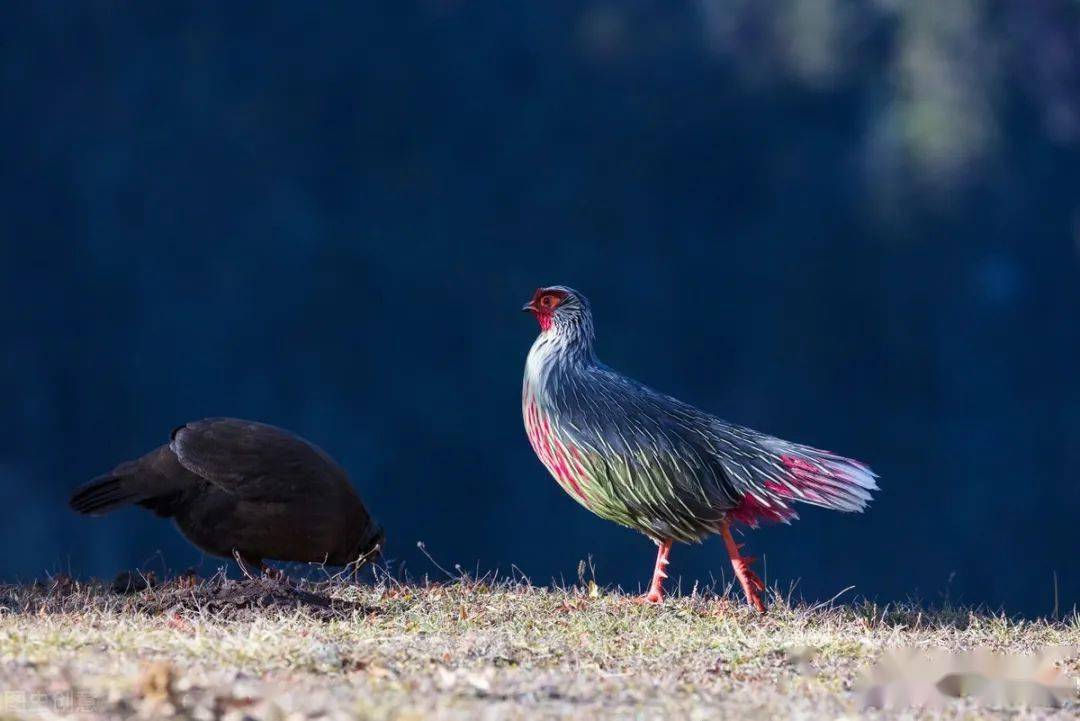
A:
655, 464
244, 490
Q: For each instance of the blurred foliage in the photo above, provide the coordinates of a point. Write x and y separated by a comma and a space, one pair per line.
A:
938, 77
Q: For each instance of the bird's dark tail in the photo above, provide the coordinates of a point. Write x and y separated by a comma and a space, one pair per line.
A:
156, 481
103, 494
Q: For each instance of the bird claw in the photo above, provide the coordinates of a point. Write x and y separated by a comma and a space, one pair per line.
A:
746, 576
751, 584
652, 598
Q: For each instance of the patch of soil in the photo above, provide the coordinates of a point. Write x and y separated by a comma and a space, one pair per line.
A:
226, 598
143, 593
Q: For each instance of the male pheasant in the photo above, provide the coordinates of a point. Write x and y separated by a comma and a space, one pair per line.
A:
655, 464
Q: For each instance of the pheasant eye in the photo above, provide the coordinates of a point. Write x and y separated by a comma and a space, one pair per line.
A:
549, 301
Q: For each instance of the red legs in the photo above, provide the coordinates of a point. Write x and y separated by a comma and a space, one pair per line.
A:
656, 588
751, 584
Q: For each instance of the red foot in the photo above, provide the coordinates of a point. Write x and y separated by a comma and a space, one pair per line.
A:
749, 581
746, 576
656, 588
653, 598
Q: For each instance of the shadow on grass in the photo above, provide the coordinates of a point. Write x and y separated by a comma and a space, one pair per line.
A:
218, 596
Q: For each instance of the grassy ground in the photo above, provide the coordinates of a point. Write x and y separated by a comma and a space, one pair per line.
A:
466, 650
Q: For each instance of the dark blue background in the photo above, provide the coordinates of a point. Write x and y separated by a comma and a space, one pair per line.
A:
858, 229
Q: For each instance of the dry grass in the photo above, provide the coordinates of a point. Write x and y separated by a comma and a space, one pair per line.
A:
464, 650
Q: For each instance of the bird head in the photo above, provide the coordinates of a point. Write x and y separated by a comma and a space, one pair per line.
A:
559, 306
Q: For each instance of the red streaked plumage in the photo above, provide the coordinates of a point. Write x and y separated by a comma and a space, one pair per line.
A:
752, 512
549, 450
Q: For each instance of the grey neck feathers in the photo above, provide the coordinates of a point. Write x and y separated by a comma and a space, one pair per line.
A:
562, 350
576, 336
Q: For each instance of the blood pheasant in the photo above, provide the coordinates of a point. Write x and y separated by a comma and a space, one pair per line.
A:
655, 464
244, 489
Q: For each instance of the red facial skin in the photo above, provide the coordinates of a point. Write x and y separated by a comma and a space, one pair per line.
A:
543, 305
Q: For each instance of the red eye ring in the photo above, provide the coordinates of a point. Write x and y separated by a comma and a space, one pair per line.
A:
550, 301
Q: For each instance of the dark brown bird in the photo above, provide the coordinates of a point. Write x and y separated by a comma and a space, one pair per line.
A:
245, 490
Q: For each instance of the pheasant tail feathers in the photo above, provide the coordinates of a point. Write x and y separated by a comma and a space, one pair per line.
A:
787, 472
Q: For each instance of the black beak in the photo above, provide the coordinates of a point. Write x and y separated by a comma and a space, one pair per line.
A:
528, 307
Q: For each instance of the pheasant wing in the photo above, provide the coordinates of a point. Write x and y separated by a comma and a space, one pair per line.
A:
647, 464
253, 460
